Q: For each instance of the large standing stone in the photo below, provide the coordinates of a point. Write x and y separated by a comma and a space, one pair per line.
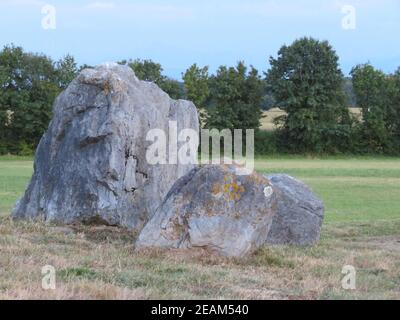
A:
214, 208
300, 213
91, 163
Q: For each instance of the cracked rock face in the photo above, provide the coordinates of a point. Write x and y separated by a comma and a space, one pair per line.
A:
90, 165
213, 208
299, 215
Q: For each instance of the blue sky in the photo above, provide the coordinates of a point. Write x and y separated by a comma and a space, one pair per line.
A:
177, 33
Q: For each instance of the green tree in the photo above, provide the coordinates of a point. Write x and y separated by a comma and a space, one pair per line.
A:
148, 70
173, 87
29, 85
196, 85
392, 111
394, 114
67, 70
307, 83
85, 66
373, 91
236, 95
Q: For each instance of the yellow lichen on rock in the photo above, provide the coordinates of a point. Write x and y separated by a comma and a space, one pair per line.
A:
231, 189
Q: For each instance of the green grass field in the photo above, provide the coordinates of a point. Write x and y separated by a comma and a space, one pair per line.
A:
361, 228
15, 173
360, 189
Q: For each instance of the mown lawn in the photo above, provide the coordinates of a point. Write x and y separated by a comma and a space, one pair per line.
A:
15, 173
362, 228
359, 189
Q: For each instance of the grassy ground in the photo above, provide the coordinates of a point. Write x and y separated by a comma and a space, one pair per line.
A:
362, 228
15, 173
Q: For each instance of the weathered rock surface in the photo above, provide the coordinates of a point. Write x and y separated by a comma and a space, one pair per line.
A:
299, 215
213, 208
91, 163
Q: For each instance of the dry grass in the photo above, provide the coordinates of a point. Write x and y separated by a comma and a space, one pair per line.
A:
101, 263
361, 228
267, 122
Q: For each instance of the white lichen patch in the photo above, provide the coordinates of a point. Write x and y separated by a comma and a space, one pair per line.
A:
268, 191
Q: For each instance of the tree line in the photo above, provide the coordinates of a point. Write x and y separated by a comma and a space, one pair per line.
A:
304, 80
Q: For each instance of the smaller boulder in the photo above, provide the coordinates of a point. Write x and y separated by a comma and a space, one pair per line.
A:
299, 215
214, 208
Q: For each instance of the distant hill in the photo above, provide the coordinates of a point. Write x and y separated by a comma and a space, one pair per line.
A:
267, 123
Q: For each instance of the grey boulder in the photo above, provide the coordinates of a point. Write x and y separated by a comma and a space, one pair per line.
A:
91, 165
300, 213
214, 208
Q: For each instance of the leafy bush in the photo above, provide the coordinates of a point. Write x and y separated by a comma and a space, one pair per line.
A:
266, 142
